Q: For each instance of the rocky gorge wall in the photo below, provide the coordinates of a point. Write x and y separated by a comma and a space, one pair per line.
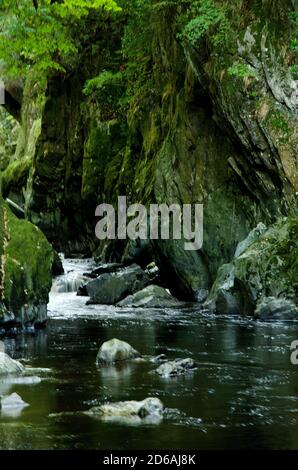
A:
211, 118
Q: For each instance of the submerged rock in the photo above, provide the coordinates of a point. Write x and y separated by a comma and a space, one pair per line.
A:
176, 367
110, 288
9, 366
271, 308
115, 350
142, 409
152, 297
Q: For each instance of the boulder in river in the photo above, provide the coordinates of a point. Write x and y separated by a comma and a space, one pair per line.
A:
9, 366
149, 407
176, 367
12, 401
110, 288
152, 297
271, 308
115, 350
11, 406
103, 269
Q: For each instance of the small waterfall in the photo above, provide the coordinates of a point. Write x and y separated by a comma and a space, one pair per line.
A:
74, 275
68, 283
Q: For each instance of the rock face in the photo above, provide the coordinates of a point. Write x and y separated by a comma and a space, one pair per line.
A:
266, 267
9, 366
26, 271
115, 350
176, 367
151, 297
126, 409
16, 174
252, 237
110, 288
271, 308
215, 123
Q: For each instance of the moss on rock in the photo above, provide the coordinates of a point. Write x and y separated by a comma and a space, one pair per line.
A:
15, 176
268, 267
26, 268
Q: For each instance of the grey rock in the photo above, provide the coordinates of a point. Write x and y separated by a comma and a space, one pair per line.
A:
227, 303
271, 308
110, 288
9, 366
252, 275
115, 350
161, 358
12, 401
201, 295
185, 271
223, 285
176, 367
253, 236
142, 409
152, 297
103, 269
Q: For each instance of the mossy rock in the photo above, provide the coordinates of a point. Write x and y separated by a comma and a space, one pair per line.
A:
15, 176
270, 265
267, 268
26, 270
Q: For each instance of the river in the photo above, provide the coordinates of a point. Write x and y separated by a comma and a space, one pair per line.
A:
243, 395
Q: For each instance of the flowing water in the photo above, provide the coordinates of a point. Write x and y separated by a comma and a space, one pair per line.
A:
243, 395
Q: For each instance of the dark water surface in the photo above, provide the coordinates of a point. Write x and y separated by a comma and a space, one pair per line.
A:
243, 395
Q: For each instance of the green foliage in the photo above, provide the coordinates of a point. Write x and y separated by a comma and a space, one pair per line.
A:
294, 70
279, 122
137, 46
108, 89
15, 175
208, 19
241, 70
41, 38
103, 80
9, 129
